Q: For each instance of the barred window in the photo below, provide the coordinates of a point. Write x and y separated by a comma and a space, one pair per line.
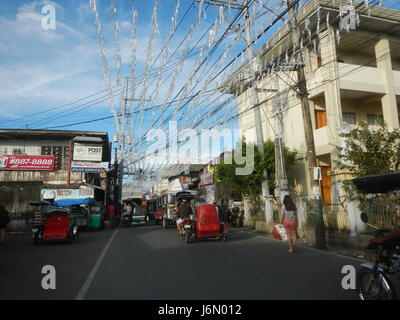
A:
349, 117
372, 119
60, 156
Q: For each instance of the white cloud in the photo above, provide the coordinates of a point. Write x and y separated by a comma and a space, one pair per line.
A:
38, 61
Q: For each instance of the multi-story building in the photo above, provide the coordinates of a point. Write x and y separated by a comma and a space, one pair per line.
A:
352, 70
35, 160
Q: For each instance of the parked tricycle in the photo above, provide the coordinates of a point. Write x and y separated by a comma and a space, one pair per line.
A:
56, 225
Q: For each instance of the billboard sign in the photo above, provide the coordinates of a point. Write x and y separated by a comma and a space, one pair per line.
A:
87, 152
22, 162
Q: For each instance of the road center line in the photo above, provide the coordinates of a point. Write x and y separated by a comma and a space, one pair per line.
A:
82, 293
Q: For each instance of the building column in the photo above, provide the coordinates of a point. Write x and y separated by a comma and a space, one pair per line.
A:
384, 63
333, 104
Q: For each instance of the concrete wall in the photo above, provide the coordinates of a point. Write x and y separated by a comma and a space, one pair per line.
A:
16, 198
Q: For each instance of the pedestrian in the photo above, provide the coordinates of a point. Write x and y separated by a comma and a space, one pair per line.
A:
4, 220
111, 214
288, 217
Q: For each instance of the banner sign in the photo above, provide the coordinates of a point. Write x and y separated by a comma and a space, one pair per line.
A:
210, 193
87, 167
22, 162
206, 178
87, 152
66, 194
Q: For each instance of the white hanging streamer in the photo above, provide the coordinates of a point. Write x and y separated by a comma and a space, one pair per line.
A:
133, 74
154, 30
93, 4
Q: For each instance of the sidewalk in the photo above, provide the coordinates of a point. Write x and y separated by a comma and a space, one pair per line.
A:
349, 252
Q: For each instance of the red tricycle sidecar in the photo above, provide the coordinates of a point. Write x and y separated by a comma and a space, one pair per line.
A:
208, 224
58, 226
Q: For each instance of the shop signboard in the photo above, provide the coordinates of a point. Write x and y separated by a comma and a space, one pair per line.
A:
87, 167
23, 162
67, 194
87, 152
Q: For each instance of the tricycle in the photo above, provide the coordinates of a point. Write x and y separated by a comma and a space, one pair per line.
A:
206, 225
374, 279
53, 224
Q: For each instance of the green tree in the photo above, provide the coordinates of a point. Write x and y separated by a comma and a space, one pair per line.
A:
250, 185
369, 151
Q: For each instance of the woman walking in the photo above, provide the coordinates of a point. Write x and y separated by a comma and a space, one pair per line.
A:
288, 217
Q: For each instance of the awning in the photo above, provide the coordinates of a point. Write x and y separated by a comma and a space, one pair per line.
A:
72, 202
378, 183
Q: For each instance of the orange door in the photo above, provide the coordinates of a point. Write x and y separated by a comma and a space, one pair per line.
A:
326, 185
320, 119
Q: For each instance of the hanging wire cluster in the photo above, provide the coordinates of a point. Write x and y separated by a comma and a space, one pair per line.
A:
183, 84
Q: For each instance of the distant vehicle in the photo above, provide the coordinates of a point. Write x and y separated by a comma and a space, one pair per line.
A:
139, 215
169, 212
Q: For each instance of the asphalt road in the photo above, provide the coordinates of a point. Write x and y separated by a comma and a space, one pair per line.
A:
148, 262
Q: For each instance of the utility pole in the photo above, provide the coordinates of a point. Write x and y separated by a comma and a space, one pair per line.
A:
116, 178
267, 198
281, 182
122, 144
309, 135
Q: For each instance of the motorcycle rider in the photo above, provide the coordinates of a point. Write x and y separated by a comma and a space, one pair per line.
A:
395, 233
184, 211
127, 210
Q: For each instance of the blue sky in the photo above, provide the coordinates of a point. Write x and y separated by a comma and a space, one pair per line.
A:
54, 78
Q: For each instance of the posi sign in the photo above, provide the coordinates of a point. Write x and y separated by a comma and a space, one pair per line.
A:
87, 152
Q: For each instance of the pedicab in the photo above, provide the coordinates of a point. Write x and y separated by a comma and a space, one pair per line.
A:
375, 279
207, 225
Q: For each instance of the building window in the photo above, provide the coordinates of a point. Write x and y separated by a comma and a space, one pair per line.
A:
349, 117
17, 152
372, 119
319, 62
320, 119
60, 156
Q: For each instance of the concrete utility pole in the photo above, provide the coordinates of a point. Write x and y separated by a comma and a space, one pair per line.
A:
267, 198
122, 143
281, 182
309, 135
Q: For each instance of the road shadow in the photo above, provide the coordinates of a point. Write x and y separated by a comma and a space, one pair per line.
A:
239, 234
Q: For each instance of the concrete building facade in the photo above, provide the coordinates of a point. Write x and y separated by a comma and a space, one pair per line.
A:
19, 186
351, 75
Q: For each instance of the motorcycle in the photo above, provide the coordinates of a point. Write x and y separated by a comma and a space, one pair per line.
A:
236, 218
188, 228
373, 282
126, 219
